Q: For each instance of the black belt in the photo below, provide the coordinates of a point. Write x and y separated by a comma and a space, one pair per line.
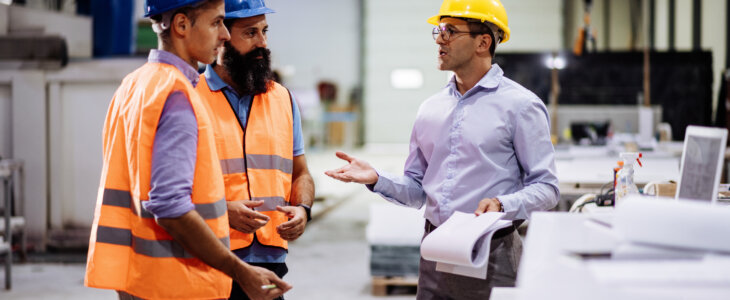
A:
498, 234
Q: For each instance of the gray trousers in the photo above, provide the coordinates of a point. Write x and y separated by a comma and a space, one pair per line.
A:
504, 258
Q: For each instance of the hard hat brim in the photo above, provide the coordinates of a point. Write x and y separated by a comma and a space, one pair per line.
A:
151, 11
434, 20
249, 13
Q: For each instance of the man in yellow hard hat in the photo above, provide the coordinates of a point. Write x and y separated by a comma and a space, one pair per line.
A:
482, 144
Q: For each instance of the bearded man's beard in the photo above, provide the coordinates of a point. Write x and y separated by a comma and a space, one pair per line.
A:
250, 74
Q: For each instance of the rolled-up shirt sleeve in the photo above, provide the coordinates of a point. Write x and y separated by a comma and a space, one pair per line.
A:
536, 156
173, 159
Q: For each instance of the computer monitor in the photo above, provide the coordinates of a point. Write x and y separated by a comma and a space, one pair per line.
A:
702, 160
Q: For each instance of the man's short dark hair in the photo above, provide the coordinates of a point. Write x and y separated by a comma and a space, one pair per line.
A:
190, 11
477, 27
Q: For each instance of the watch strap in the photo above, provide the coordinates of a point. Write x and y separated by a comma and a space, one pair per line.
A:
308, 209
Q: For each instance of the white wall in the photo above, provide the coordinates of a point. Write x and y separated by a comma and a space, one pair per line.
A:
76, 151
54, 120
28, 142
398, 36
535, 25
714, 35
683, 25
317, 40
397, 40
78, 99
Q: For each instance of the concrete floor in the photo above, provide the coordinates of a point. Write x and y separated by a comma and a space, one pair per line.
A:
330, 261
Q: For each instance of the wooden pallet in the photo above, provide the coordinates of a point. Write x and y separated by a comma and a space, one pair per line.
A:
382, 284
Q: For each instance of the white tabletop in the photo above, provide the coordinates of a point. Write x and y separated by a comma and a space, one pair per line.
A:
550, 269
594, 165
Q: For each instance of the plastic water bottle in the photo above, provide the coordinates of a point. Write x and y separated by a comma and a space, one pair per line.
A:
625, 178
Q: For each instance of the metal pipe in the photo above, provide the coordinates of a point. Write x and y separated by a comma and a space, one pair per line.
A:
647, 66
696, 25
607, 24
8, 185
672, 8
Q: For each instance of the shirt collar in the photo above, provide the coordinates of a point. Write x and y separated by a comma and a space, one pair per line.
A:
489, 81
162, 56
215, 83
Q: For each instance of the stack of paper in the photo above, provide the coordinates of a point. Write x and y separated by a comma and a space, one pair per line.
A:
461, 244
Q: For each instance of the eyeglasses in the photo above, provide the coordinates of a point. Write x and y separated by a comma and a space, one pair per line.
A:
446, 33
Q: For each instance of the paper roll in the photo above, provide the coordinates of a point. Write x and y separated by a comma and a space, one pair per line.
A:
461, 244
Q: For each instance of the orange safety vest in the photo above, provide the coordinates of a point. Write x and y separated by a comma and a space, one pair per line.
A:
266, 142
128, 251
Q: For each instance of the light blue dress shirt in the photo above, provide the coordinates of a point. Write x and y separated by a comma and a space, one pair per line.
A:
175, 147
493, 141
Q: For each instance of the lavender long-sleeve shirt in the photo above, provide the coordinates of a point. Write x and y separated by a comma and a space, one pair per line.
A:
493, 141
174, 148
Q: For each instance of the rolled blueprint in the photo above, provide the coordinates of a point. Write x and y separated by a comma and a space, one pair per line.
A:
461, 244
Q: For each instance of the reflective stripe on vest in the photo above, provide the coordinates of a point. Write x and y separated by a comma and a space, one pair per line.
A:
128, 250
124, 199
152, 248
257, 161
266, 172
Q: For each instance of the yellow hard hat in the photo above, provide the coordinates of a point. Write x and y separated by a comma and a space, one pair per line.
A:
484, 10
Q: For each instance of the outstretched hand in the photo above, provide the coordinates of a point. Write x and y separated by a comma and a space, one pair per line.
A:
355, 170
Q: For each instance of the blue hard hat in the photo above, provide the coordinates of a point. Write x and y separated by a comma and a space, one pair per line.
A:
236, 9
156, 7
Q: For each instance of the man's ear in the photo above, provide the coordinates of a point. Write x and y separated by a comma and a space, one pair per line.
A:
180, 24
485, 42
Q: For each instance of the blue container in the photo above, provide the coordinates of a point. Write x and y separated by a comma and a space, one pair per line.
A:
114, 27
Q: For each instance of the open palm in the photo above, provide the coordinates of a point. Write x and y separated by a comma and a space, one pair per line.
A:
355, 170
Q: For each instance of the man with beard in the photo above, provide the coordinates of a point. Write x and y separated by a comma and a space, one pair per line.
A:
259, 142
160, 227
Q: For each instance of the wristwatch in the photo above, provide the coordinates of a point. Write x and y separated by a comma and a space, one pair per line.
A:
308, 209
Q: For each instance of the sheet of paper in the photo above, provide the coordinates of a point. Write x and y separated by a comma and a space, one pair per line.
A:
646, 273
631, 250
461, 244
